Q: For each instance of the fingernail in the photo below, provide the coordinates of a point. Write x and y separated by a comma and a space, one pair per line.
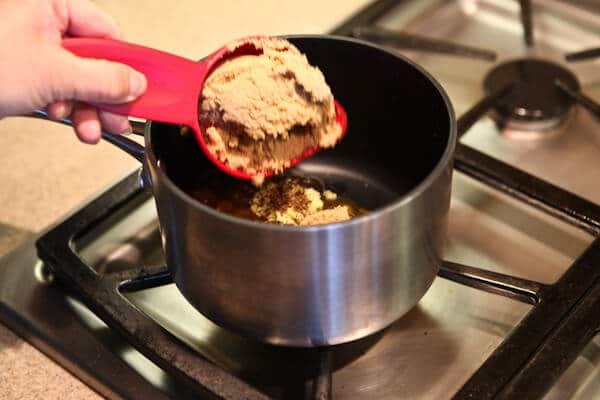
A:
137, 83
128, 131
60, 110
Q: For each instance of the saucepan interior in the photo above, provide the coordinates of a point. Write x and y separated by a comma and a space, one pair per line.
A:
398, 130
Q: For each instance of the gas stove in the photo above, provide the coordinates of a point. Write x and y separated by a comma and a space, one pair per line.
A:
513, 313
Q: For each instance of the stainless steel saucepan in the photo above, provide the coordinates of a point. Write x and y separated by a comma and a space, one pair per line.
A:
328, 284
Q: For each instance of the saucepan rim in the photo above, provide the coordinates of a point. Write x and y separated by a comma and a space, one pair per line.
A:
415, 192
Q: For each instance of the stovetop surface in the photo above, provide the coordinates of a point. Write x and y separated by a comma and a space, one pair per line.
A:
566, 156
431, 351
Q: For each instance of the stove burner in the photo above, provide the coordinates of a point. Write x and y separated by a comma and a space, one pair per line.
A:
534, 103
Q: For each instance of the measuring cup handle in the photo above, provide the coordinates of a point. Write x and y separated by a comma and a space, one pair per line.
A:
174, 82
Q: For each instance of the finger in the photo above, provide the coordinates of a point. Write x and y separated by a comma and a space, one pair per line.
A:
93, 80
113, 123
59, 109
86, 19
86, 123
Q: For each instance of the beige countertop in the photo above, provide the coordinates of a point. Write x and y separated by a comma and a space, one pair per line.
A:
45, 172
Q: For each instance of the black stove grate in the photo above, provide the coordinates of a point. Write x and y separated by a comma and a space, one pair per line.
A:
526, 364
363, 27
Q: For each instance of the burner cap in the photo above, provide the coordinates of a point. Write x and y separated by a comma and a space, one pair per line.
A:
534, 102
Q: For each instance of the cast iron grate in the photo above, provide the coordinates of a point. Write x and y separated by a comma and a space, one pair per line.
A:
526, 364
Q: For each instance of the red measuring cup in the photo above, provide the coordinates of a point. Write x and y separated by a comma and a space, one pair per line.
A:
174, 86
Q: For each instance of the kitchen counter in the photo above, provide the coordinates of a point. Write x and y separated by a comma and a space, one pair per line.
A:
46, 173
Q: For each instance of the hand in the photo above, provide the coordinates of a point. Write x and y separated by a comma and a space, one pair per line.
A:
36, 72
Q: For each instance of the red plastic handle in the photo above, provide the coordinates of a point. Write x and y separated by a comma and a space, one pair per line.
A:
174, 83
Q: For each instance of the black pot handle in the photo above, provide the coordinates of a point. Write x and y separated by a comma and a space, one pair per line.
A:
129, 146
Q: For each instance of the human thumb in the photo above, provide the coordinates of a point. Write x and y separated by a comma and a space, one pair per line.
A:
95, 81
